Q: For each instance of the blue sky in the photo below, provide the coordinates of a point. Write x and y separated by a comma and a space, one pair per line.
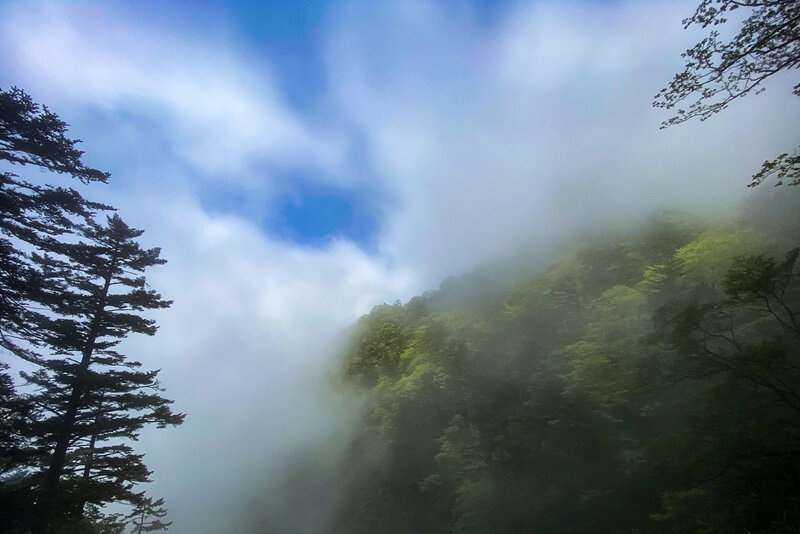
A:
310, 203
288, 40
301, 162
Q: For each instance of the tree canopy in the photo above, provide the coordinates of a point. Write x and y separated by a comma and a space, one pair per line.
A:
719, 71
645, 384
34, 215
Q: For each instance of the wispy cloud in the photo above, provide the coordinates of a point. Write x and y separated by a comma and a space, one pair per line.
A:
222, 114
246, 350
510, 136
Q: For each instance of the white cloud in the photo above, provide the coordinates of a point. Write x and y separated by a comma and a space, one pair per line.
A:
246, 350
496, 139
221, 113
543, 46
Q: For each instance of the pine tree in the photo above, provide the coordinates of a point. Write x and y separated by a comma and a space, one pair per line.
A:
17, 413
70, 291
34, 216
17, 454
96, 398
147, 516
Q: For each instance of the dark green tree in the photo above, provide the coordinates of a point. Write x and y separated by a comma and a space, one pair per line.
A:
718, 72
70, 291
96, 398
17, 454
648, 384
34, 216
17, 413
730, 464
148, 515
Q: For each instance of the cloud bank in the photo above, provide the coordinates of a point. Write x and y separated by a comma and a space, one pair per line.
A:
533, 128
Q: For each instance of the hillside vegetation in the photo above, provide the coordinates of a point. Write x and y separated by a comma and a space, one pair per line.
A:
650, 383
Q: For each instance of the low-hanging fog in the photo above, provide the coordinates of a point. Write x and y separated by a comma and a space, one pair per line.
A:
465, 132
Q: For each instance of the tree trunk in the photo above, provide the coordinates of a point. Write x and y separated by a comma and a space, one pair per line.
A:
47, 501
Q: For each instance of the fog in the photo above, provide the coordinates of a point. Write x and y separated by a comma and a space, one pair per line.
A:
478, 133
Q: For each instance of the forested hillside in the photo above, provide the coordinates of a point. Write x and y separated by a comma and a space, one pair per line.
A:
650, 383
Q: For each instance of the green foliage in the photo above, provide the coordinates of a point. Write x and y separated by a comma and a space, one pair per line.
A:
645, 385
706, 259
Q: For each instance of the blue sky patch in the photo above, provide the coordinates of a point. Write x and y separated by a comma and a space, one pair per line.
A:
303, 211
290, 35
311, 214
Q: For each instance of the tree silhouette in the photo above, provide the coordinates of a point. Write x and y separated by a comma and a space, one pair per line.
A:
34, 216
95, 397
718, 72
147, 516
70, 290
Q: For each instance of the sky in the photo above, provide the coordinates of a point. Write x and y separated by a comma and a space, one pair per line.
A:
301, 162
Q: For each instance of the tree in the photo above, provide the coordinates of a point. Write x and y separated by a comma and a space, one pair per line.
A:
562, 406
718, 72
17, 454
70, 290
95, 397
730, 465
34, 216
17, 413
769, 286
147, 516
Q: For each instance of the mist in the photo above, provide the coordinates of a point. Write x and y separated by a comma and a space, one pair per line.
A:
463, 138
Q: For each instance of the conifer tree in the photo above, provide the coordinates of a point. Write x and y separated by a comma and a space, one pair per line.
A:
70, 290
34, 216
17, 413
96, 398
148, 515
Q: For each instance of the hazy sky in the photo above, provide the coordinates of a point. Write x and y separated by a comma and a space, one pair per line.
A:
300, 162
